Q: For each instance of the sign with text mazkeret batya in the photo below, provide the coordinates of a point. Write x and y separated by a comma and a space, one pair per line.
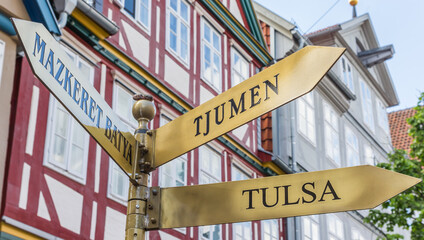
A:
60, 75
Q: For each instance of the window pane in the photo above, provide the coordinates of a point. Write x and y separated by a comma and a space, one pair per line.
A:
244, 69
173, 4
216, 42
173, 41
123, 106
78, 134
240, 67
184, 51
181, 171
184, 11
216, 79
121, 103
184, 41
207, 65
236, 63
173, 23
130, 7
76, 160
59, 150
119, 183
184, 33
206, 32
62, 116
144, 12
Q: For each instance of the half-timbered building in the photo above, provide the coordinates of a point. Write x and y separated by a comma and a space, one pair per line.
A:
60, 184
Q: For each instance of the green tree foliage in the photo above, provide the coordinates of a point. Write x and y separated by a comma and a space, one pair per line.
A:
406, 210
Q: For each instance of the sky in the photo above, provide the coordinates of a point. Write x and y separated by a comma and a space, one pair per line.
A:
396, 22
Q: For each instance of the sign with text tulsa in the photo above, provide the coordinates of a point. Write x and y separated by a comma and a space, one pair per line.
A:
58, 73
300, 194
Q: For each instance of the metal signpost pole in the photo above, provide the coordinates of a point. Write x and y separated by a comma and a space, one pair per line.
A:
143, 111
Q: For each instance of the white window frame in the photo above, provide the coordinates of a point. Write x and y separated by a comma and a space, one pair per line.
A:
306, 117
211, 237
310, 225
383, 121
213, 51
114, 169
331, 134
177, 53
366, 100
112, 194
369, 156
243, 225
234, 71
128, 120
54, 106
274, 233
352, 147
136, 18
163, 120
347, 73
2, 53
205, 153
338, 233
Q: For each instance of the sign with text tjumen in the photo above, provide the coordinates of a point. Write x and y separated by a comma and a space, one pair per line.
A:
70, 86
336, 190
279, 84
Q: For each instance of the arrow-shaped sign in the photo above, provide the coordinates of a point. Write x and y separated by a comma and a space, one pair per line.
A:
279, 84
328, 191
70, 86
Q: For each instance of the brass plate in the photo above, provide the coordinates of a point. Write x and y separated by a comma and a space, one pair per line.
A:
337, 190
279, 84
70, 86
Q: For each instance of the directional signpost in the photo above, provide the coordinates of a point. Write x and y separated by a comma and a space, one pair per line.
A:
336, 190
70, 86
265, 198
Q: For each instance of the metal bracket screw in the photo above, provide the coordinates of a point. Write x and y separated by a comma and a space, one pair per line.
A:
155, 191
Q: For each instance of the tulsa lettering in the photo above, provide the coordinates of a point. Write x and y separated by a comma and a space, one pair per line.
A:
235, 106
260, 197
73, 89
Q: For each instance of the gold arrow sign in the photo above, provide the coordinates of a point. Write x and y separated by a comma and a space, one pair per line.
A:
336, 190
70, 86
279, 84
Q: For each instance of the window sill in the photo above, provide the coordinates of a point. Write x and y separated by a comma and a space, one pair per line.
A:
215, 89
65, 173
179, 60
136, 22
117, 199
